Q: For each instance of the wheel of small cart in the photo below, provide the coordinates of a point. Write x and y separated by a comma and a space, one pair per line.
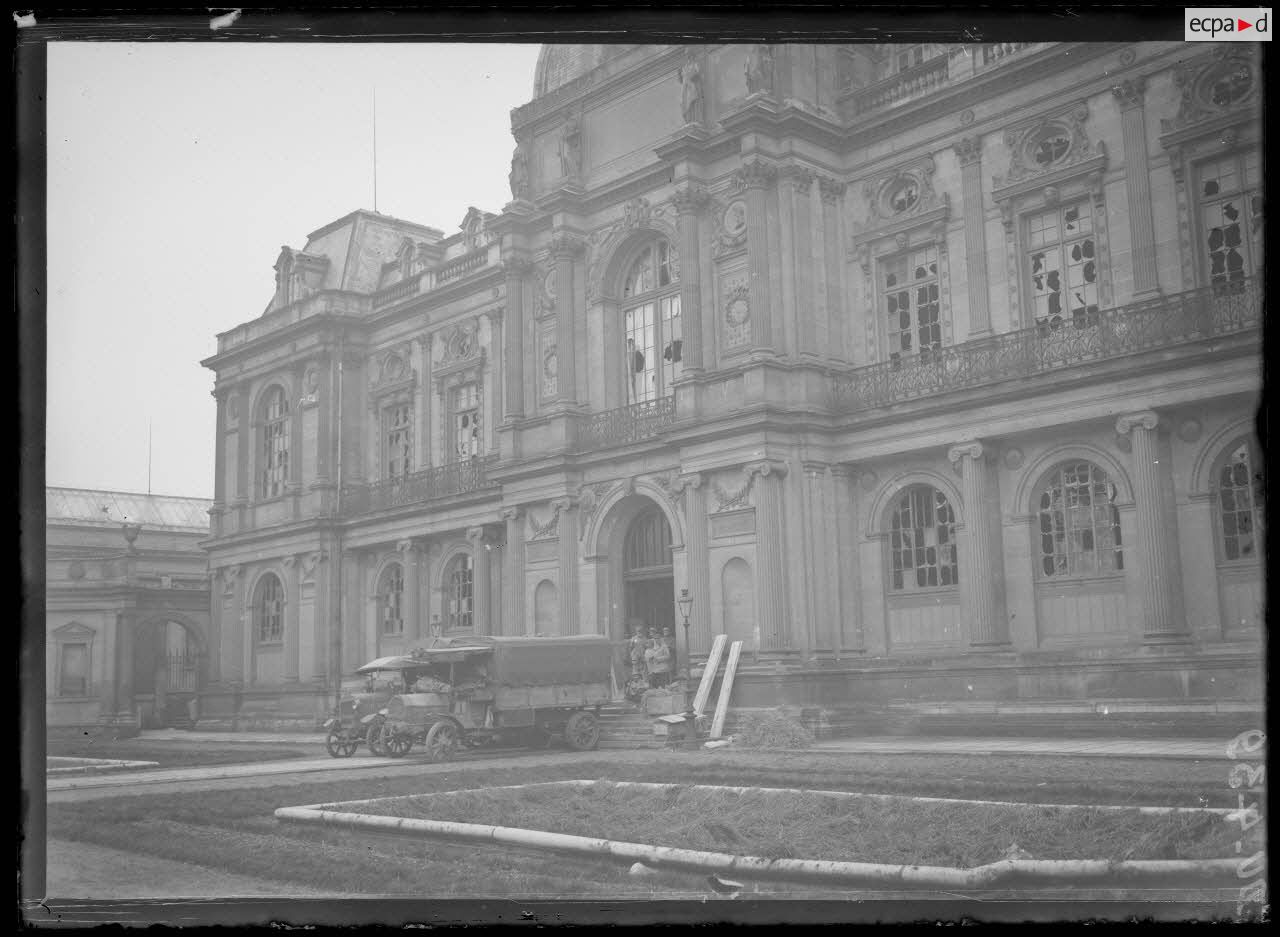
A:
442, 741
338, 745
582, 731
373, 736
396, 744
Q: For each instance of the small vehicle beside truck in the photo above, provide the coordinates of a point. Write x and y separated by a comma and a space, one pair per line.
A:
357, 719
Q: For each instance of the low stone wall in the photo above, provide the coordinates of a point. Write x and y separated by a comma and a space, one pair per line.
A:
261, 710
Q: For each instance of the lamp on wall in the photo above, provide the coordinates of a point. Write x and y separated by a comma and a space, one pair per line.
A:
686, 606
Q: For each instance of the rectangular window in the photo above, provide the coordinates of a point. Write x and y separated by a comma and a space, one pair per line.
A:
673, 345
1231, 217
1063, 266
276, 451
641, 340
73, 672
398, 444
909, 298
466, 421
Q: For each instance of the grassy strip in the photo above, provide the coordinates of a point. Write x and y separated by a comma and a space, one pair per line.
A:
811, 826
233, 829
180, 754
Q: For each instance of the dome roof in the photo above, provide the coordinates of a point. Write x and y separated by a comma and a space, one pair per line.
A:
560, 64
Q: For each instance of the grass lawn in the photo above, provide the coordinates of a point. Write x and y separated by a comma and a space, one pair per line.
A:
180, 754
235, 830
804, 825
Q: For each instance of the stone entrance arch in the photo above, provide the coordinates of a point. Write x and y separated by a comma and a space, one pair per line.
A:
632, 588
170, 662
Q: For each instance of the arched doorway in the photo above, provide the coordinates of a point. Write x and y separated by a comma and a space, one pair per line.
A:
648, 583
168, 672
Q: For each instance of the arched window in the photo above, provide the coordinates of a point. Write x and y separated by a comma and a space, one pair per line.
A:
648, 543
1239, 501
651, 324
391, 600
922, 541
275, 443
1079, 523
268, 610
459, 593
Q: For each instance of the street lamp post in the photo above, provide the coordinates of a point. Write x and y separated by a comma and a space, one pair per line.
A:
686, 606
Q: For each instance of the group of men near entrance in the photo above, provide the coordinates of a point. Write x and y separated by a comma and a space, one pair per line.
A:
652, 654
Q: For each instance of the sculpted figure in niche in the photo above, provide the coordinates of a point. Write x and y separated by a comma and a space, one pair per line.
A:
519, 177
760, 70
571, 149
691, 91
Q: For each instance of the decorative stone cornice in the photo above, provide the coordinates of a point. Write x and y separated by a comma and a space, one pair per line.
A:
1130, 92
968, 149
1147, 419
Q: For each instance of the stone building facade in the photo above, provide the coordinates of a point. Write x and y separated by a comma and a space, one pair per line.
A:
930, 371
127, 626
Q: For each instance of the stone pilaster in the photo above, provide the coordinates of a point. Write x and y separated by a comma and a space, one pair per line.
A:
969, 149
981, 560
1137, 183
424, 394
689, 201
513, 615
324, 420
244, 454
566, 247
771, 577
220, 453
697, 560
292, 594
517, 268
567, 508
845, 563
831, 193
805, 282
481, 585
318, 576
823, 604
759, 177
1156, 558
411, 599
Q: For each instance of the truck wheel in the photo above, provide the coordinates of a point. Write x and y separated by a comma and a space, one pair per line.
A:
582, 732
442, 741
338, 745
373, 735
396, 744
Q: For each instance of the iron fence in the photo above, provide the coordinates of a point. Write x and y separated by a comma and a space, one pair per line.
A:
625, 425
1112, 333
440, 482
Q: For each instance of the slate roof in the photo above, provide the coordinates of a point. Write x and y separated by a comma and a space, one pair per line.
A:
87, 506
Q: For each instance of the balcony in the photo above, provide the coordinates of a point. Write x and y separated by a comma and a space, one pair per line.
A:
941, 71
321, 302
428, 485
1169, 322
625, 425
427, 280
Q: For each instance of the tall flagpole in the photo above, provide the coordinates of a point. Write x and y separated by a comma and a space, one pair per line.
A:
375, 149
148, 456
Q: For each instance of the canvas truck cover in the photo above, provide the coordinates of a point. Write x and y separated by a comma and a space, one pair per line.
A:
552, 661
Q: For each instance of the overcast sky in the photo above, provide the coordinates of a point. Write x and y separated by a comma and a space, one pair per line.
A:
177, 171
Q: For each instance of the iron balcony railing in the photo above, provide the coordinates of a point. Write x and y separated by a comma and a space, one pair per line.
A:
1112, 333
625, 425
461, 266
440, 482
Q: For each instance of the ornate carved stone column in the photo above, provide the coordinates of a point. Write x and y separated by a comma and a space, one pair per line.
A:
846, 564
220, 452
697, 558
689, 200
831, 192
408, 551
1156, 559
244, 451
567, 509
979, 579
969, 149
775, 628
126, 623
565, 248
481, 584
517, 267
513, 582
292, 594
1137, 183
758, 176
318, 576
324, 420
805, 282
